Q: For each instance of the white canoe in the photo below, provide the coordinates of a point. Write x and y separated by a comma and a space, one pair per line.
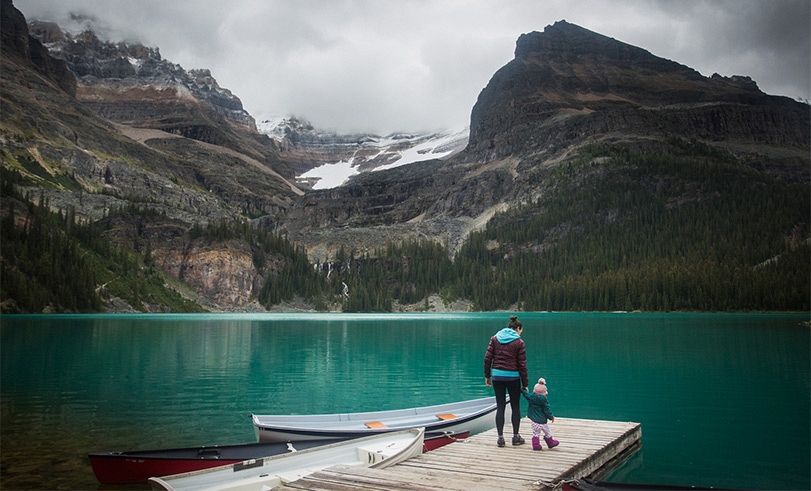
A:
376, 451
474, 416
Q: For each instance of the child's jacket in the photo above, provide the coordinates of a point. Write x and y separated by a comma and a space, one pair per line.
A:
539, 410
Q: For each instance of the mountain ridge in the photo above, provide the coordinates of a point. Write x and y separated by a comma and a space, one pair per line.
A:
605, 83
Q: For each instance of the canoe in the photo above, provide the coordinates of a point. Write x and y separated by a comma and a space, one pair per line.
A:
436, 439
378, 451
137, 466
473, 416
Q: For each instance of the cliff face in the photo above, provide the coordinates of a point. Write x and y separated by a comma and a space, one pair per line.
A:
17, 43
225, 273
567, 85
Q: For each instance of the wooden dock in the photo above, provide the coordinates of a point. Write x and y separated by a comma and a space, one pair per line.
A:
477, 464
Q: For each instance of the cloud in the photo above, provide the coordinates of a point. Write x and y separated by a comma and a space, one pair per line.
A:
410, 65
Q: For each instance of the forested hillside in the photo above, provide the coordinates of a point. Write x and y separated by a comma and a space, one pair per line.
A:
54, 262
627, 236
691, 229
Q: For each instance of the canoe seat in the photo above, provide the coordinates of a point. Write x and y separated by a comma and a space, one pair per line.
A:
375, 424
446, 416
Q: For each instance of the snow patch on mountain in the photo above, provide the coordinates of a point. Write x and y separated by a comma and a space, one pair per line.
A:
435, 146
330, 176
366, 152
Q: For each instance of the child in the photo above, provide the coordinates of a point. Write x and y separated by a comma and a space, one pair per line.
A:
539, 413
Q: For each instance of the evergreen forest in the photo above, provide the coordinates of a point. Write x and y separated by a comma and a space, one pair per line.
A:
614, 230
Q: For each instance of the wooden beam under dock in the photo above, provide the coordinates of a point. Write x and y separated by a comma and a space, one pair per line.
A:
586, 447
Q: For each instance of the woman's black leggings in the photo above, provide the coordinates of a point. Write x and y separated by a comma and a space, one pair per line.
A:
501, 389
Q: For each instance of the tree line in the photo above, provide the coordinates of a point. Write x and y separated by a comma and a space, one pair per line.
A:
691, 229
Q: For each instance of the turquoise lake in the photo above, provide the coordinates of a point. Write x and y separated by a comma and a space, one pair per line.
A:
724, 399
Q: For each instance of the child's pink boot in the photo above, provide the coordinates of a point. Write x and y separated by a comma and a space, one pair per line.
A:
549, 441
536, 443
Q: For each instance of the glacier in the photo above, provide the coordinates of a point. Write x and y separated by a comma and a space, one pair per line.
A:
393, 150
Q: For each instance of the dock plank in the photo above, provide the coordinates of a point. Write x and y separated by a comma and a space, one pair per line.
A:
477, 464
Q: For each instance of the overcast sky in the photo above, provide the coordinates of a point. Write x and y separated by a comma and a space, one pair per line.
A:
411, 65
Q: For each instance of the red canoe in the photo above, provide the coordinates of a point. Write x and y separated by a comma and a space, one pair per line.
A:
436, 439
137, 466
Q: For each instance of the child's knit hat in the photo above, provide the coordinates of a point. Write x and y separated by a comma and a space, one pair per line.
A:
540, 387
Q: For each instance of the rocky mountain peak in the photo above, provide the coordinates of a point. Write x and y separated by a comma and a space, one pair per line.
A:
48, 33
122, 67
740, 81
568, 83
89, 56
563, 39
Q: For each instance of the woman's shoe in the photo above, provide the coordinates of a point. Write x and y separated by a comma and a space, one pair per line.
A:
517, 440
501, 441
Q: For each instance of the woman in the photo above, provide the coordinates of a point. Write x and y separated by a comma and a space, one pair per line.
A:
505, 370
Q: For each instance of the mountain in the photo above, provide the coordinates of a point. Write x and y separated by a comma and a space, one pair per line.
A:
568, 85
146, 153
595, 176
132, 85
598, 177
566, 89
